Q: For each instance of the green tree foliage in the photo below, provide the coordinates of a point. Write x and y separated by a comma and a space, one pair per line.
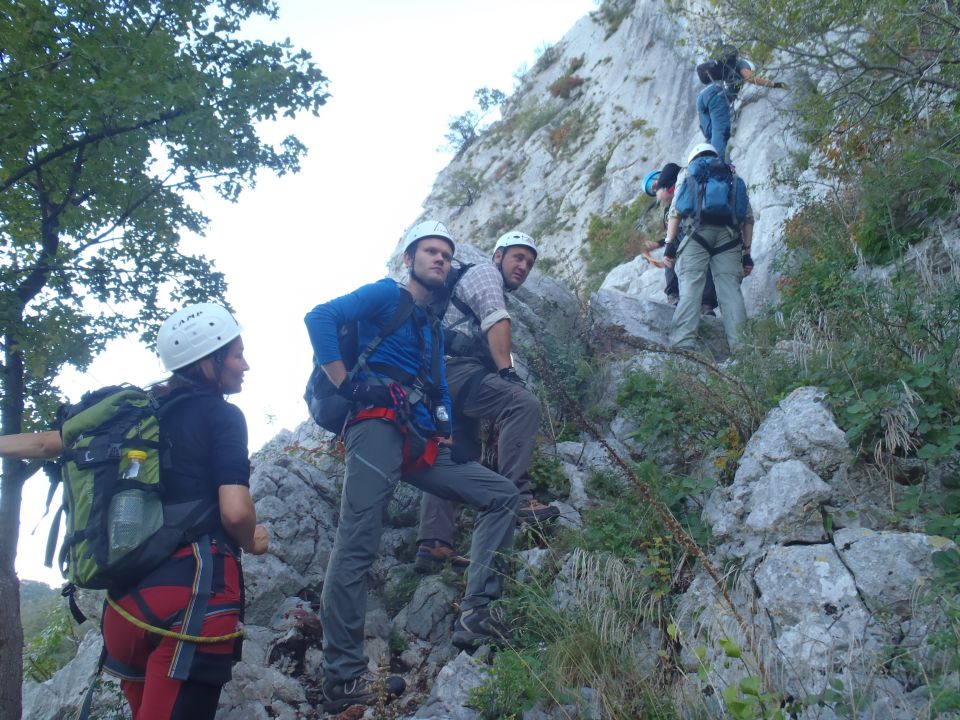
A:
464, 129
111, 112
879, 109
614, 239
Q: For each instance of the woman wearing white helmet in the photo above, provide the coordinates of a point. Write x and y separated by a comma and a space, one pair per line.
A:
206, 440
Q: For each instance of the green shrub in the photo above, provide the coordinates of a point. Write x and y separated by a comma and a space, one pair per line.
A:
612, 240
547, 478
886, 351
399, 591
512, 687
564, 85
689, 412
54, 646
611, 15
500, 223
592, 642
598, 171
461, 190
526, 121
546, 56
913, 182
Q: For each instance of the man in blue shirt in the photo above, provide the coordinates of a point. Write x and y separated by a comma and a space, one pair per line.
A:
401, 407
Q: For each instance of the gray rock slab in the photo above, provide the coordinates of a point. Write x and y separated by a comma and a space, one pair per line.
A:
451, 690
891, 569
799, 428
817, 618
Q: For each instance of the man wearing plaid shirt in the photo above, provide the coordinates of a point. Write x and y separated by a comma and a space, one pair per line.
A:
484, 386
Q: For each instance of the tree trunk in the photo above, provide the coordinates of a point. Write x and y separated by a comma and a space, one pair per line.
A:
11, 629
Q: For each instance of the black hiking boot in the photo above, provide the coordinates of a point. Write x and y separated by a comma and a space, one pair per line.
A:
535, 512
479, 626
365, 689
432, 555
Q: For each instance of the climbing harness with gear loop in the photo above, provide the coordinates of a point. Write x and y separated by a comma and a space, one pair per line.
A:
405, 392
189, 621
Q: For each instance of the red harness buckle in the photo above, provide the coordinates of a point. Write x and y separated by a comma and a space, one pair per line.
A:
418, 452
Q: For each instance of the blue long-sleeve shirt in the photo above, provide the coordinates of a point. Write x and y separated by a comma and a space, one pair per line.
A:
371, 307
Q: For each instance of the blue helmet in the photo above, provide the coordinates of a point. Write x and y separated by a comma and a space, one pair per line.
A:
648, 180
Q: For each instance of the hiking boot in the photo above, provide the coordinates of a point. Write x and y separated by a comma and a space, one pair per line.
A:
534, 511
433, 554
673, 299
364, 689
707, 310
479, 626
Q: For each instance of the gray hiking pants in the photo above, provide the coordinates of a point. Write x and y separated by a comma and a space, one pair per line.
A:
516, 412
374, 456
692, 263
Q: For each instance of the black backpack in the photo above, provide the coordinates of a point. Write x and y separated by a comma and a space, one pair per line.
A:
328, 409
444, 297
721, 67
455, 342
119, 526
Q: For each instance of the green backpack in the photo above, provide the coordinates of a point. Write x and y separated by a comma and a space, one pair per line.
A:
118, 526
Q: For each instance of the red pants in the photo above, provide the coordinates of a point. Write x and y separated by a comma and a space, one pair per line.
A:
144, 661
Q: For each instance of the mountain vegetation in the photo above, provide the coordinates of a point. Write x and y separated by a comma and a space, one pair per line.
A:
868, 309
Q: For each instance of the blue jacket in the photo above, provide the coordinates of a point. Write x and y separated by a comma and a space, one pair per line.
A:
372, 306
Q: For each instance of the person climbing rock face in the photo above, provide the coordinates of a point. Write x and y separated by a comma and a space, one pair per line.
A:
662, 185
724, 75
714, 209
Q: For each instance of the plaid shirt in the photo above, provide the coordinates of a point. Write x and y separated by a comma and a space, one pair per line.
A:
481, 289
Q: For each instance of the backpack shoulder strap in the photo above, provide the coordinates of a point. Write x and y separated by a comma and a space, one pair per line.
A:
400, 316
732, 198
463, 307
458, 303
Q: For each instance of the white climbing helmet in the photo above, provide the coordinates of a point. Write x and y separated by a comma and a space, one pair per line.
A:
428, 229
701, 149
194, 332
515, 238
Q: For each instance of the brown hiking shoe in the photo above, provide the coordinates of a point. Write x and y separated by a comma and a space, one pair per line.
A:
433, 554
535, 511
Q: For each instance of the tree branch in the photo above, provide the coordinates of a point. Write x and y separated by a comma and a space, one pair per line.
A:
87, 139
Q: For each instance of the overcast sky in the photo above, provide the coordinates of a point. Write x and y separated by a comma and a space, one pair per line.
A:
399, 72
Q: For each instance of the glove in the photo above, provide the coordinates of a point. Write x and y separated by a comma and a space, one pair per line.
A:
510, 375
746, 260
365, 394
670, 249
